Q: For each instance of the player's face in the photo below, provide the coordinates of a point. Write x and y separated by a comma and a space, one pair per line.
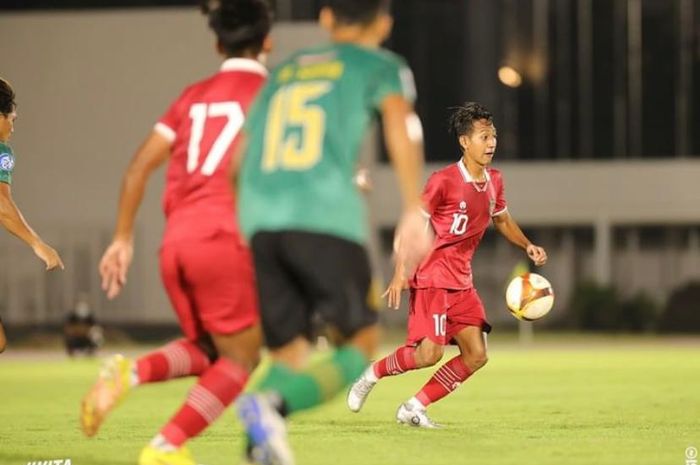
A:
480, 144
7, 125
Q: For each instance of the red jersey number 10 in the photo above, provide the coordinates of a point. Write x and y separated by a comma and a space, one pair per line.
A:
199, 113
459, 223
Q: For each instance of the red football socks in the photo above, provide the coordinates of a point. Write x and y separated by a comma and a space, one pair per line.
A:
444, 381
400, 361
175, 360
217, 388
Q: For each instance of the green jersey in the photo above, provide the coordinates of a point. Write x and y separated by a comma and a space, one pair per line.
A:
304, 135
7, 163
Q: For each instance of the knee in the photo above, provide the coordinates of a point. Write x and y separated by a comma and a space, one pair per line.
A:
429, 354
476, 360
3, 345
366, 340
294, 355
245, 359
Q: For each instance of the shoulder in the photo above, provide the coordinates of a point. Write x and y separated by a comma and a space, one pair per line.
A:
299, 57
444, 175
496, 175
198, 86
195, 88
5, 149
377, 59
387, 58
449, 172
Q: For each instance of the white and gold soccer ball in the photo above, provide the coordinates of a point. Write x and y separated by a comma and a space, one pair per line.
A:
529, 297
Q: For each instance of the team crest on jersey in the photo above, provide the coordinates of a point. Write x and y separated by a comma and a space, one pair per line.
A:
7, 162
462, 205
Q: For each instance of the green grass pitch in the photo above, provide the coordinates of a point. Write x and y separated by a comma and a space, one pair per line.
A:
579, 401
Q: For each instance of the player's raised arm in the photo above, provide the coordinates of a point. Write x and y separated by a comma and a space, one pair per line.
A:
404, 139
507, 226
10, 216
117, 258
12, 220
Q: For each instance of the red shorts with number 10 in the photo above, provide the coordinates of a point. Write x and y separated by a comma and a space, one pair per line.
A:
211, 284
439, 314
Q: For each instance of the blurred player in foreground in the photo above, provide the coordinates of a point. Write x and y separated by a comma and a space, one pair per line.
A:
205, 266
460, 201
10, 216
306, 218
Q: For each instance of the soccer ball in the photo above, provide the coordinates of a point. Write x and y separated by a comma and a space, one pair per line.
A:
529, 297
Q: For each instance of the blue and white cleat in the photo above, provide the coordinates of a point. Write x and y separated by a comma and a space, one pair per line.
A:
266, 430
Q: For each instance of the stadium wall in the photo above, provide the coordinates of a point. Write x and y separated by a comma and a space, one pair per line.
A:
91, 84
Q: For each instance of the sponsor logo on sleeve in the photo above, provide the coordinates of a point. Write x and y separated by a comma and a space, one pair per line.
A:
7, 162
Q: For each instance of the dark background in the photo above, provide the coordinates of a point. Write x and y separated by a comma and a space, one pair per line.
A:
601, 78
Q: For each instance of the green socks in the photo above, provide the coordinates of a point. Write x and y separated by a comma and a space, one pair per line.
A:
319, 383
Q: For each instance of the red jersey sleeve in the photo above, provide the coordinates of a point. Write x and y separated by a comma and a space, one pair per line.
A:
432, 193
499, 194
169, 123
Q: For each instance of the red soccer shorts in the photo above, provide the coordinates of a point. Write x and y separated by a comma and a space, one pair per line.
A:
439, 314
211, 285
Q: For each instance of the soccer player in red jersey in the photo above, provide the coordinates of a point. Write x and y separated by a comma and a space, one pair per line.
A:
205, 266
10, 216
460, 201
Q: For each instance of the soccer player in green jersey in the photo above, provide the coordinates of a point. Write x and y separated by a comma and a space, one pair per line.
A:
10, 216
305, 217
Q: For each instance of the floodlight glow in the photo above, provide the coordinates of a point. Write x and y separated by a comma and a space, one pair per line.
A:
509, 76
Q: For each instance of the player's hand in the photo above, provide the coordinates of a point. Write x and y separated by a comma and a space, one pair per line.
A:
537, 254
115, 265
393, 292
48, 255
413, 240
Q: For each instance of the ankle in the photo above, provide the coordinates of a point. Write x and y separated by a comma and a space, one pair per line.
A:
414, 403
162, 444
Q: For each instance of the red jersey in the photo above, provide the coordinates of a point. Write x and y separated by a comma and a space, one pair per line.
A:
460, 211
203, 125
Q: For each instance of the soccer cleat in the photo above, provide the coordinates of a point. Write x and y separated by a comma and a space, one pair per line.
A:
412, 416
266, 430
113, 383
152, 456
358, 393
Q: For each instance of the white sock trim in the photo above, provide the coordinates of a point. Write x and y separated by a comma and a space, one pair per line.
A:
370, 375
415, 403
134, 377
159, 442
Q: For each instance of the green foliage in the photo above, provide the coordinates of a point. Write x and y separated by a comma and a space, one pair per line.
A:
600, 308
682, 312
595, 307
639, 313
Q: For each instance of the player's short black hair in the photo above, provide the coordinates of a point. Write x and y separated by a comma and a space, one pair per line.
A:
462, 119
7, 98
240, 25
357, 11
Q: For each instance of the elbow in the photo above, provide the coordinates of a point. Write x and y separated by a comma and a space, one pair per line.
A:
135, 177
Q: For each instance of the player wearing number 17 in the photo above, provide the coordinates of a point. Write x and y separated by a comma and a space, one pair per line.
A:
205, 266
444, 306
